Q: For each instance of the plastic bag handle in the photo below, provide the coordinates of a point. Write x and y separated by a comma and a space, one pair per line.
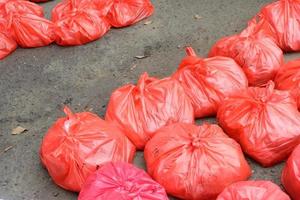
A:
190, 51
69, 113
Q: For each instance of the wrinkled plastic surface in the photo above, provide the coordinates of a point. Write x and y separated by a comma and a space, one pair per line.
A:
291, 174
7, 43
78, 23
20, 7
151, 104
121, 181
127, 12
253, 190
208, 81
264, 121
255, 50
288, 78
75, 146
39, 1
284, 16
195, 162
31, 30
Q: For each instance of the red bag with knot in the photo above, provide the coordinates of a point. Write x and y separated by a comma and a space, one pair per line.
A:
208, 81
121, 181
142, 109
127, 12
195, 162
253, 190
255, 50
78, 23
7, 43
288, 78
291, 174
31, 30
264, 121
75, 146
284, 16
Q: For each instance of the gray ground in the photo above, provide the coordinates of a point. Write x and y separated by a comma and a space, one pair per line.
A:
34, 83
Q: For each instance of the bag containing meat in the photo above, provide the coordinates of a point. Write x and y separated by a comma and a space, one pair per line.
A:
195, 162
288, 78
7, 43
78, 24
264, 121
255, 50
290, 175
208, 81
31, 30
253, 190
284, 16
127, 12
20, 7
142, 109
121, 181
77, 145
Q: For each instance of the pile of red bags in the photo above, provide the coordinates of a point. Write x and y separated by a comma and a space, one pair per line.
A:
264, 121
208, 81
255, 50
195, 162
253, 190
291, 174
288, 78
121, 181
284, 16
77, 145
142, 109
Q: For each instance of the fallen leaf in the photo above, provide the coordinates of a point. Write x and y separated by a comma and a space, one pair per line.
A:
148, 22
133, 67
140, 57
18, 130
197, 17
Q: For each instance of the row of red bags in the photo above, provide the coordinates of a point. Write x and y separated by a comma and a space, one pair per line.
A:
74, 22
189, 161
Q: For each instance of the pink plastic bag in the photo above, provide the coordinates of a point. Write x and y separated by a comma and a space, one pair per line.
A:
7, 43
208, 81
195, 162
253, 190
142, 109
77, 145
21, 7
291, 174
121, 181
255, 50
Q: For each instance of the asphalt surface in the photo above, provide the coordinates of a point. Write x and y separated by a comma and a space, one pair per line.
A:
35, 83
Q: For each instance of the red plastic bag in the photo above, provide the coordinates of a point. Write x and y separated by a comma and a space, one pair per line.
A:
121, 181
195, 162
142, 109
253, 190
76, 25
284, 16
291, 174
264, 121
255, 50
288, 78
39, 1
30, 30
21, 7
7, 43
127, 12
75, 146
208, 81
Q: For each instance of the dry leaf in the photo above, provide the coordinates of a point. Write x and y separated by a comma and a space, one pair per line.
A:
197, 17
133, 67
140, 57
18, 130
148, 22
